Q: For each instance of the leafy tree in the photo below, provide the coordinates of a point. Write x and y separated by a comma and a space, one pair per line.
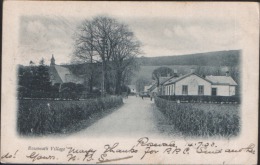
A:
126, 89
42, 78
161, 72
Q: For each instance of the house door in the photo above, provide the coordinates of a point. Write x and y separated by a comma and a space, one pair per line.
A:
214, 91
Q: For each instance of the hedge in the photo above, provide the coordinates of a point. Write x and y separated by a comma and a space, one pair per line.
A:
208, 99
48, 116
198, 122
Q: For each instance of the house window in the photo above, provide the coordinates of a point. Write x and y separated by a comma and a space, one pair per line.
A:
214, 91
201, 90
169, 90
185, 89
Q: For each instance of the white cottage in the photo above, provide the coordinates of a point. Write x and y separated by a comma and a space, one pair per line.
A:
195, 85
222, 85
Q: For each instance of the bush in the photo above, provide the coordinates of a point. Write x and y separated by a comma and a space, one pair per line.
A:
46, 116
71, 91
67, 91
194, 121
208, 99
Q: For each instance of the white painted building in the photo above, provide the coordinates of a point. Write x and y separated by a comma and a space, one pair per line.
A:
193, 84
222, 85
132, 88
147, 87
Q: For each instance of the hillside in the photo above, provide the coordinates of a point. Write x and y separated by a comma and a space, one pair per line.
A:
219, 58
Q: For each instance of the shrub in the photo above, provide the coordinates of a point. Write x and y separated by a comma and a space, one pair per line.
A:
196, 121
48, 116
208, 99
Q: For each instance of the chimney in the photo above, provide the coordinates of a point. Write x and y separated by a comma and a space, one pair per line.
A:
175, 73
192, 70
227, 73
168, 75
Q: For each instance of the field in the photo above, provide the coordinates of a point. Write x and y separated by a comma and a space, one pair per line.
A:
40, 117
202, 119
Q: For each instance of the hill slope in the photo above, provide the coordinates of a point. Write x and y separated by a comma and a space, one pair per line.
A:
219, 58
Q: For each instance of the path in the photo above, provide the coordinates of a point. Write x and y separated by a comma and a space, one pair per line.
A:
136, 117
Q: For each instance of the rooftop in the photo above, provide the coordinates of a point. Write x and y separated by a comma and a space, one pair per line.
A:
221, 80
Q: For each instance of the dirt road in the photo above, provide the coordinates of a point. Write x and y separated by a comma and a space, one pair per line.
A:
136, 117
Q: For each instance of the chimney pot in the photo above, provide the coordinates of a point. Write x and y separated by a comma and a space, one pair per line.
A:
227, 73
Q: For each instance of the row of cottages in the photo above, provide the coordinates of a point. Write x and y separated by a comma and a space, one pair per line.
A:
193, 84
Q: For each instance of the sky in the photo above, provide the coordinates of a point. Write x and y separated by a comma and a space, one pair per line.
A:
41, 36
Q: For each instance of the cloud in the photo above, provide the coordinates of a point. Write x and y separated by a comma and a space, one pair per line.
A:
43, 36
167, 32
183, 36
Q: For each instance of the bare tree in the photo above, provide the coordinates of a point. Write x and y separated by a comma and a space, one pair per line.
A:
114, 44
124, 55
85, 52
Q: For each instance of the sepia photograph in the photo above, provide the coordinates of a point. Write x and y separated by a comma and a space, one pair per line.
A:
129, 74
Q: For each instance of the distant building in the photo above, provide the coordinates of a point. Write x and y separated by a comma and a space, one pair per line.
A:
193, 84
60, 74
132, 88
147, 87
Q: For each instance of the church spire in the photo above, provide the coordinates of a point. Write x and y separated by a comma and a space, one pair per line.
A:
52, 61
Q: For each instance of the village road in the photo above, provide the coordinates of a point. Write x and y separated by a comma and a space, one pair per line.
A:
136, 117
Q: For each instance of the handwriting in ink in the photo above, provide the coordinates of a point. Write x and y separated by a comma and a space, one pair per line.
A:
111, 160
36, 156
8, 155
73, 153
144, 141
148, 150
249, 149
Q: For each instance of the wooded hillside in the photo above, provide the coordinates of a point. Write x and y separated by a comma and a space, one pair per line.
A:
219, 58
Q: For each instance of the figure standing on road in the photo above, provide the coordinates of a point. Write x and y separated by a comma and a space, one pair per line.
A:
151, 96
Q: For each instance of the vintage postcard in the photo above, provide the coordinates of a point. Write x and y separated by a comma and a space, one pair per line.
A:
130, 82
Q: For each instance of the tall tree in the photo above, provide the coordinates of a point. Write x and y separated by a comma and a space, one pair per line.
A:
85, 52
114, 44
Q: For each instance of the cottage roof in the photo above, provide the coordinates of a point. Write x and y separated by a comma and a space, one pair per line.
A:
147, 87
153, 86
175, 79
162, 80
221, 80
62, 72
